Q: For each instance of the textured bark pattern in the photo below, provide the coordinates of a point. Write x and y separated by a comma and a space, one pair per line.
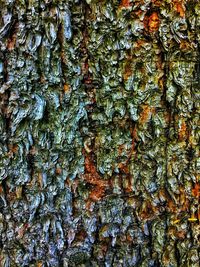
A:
99, 133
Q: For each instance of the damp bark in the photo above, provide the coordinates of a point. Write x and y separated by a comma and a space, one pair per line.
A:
99, 115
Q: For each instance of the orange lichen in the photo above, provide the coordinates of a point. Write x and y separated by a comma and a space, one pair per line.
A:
146, 114
196, 190
172, 231
125, 4
58, 171
179, 7
171, 206
140, 43
166, 258
134, 134
89, 165
120, 149
129, 238
182, 133
152, 22
11, 41
148, 211
93, 178
156, 2
97, 193
13, 148
123, 167
66, 88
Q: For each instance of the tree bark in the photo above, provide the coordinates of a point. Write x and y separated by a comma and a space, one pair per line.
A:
99, 133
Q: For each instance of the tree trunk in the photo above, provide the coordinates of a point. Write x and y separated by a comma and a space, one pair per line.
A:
99, 133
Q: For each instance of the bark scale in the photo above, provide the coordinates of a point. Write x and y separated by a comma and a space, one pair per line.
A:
99, 133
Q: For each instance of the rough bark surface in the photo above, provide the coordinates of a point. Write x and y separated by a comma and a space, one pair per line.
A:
99, 133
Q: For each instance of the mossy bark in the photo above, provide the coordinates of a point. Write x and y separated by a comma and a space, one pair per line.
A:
99, 133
